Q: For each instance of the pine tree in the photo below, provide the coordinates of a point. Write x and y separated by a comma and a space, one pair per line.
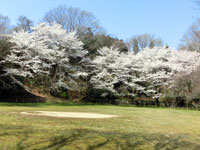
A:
135, 47
152, 44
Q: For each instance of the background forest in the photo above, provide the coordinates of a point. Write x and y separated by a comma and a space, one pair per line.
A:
70, 56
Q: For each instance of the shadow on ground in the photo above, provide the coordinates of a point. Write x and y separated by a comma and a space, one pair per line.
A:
84, 139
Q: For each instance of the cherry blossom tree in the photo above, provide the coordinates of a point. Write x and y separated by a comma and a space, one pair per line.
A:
50, 49
146, 73
45, 48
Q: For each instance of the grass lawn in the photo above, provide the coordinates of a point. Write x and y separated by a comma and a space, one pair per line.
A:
135, 129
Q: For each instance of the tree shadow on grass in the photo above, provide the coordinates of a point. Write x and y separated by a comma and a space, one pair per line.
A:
78, 139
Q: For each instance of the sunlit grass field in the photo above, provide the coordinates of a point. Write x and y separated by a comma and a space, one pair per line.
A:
134, 129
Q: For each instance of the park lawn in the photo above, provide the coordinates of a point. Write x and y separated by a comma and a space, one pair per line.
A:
135, 128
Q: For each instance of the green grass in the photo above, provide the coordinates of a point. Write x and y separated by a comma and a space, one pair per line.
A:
134, 129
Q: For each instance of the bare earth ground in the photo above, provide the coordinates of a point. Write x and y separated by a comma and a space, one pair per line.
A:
68, 114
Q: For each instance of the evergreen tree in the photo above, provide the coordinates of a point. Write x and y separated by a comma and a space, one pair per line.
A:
152, 44
135, 47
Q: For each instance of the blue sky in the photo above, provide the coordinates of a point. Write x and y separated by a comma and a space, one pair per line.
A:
168, 19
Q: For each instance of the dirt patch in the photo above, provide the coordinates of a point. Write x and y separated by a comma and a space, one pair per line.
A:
68, 114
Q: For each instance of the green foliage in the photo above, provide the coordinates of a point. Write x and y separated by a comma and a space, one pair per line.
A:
193, 99
41, 80
94, 42
100, 96
4, 47
172, 99
64, 95
135, 47
152, 44
60, 92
